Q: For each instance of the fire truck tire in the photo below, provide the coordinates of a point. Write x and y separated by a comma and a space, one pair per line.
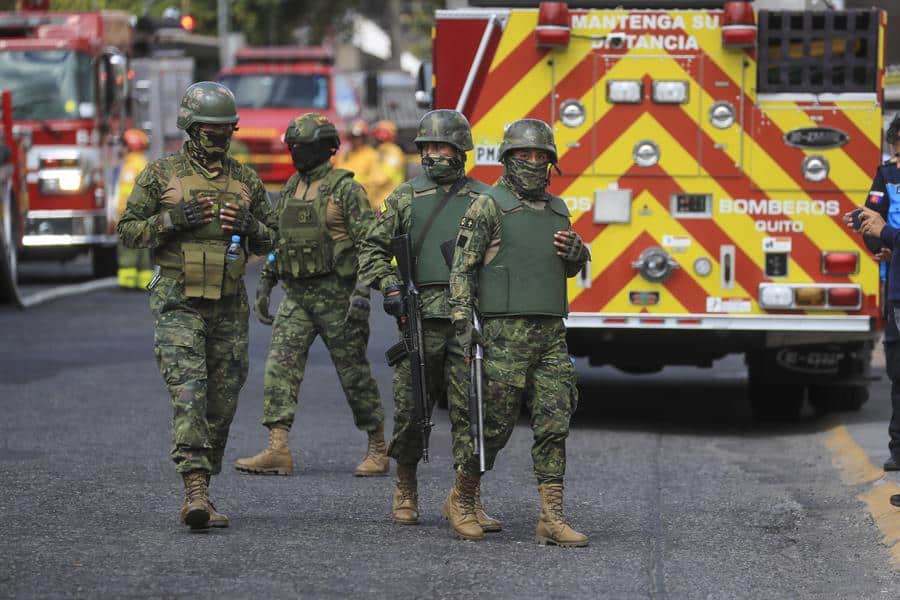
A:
9, 252
834, 399
104, 261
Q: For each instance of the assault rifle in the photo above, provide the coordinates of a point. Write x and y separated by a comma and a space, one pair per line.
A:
411, 344
476, 387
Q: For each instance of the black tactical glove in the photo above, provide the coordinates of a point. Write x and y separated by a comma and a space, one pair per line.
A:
393, 302
569, 245
245, 223
192, 213
358, 311
263, 292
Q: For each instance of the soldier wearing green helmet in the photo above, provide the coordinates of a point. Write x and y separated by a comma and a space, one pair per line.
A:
514, 251
187, 207
323, 214
429, 208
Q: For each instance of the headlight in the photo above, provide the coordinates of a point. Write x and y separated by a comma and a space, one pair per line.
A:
722, 115
815, 168
670, 92
645, 153
572, 113
624, 92
56, 181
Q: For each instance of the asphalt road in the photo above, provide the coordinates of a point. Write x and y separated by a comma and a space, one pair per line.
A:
681, 494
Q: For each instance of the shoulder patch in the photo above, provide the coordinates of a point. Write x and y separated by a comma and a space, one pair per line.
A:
467, 223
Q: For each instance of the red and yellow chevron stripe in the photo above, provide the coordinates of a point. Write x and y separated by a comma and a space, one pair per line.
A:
747, 162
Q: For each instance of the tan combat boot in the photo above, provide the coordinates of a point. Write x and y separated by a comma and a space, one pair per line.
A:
274, 460
487, 522
216, 519
459, 508
376, 460
552, 527
195, 511
405, 504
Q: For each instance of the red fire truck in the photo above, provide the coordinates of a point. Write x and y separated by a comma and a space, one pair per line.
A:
708, 153
68, 75
273, 85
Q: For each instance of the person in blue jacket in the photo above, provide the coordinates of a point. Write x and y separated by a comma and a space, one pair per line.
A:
879, 223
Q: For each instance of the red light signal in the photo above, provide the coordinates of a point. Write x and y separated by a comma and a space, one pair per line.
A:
187, 23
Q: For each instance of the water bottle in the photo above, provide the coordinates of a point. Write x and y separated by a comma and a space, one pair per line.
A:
234, 249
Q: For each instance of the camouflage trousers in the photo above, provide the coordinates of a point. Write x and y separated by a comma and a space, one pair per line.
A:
528, 355
201, 350
318, 307
445, 373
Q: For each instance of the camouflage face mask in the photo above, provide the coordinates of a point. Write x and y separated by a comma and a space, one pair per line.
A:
442, 169
530, 179
211, 143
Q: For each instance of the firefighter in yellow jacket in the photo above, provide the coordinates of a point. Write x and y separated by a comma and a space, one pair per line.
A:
362, 159
392, 157
135, 264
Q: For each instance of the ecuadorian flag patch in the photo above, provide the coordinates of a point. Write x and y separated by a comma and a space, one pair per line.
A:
874, 198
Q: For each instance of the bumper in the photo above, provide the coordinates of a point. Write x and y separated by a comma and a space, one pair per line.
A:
765, 323
54, 228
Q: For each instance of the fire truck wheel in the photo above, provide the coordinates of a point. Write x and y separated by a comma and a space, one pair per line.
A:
776, 402
8, 252
832, 399
104, 261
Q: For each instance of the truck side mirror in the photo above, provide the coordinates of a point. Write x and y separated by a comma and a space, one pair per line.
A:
424, 91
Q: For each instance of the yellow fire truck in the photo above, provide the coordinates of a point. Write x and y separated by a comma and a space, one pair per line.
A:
708, 151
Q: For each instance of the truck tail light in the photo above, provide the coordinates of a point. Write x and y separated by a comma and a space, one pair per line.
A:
844, 296
738, 25
806, 296
840, 263
554, 28
809, 296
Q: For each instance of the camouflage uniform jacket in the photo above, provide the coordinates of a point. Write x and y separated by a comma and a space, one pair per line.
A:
375, 257
348, 214
147, 224
478, 243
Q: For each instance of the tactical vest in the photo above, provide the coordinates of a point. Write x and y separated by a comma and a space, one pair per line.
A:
431, 268
526, 277
305, 247
198, 255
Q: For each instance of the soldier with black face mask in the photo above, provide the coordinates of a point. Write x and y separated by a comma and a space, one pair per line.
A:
186, 207
324, 215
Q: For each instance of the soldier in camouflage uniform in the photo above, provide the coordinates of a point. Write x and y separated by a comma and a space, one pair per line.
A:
186, 207
443, 139
323, 215
515, 250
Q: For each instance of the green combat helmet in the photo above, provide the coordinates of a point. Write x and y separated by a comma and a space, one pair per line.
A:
310, 128
529, 133
207, 102
447, 126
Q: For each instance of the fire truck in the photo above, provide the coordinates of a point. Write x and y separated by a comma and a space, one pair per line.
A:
708, 152
272, 85
68, 74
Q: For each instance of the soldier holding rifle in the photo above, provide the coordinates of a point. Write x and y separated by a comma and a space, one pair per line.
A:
428, 209
514, 252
